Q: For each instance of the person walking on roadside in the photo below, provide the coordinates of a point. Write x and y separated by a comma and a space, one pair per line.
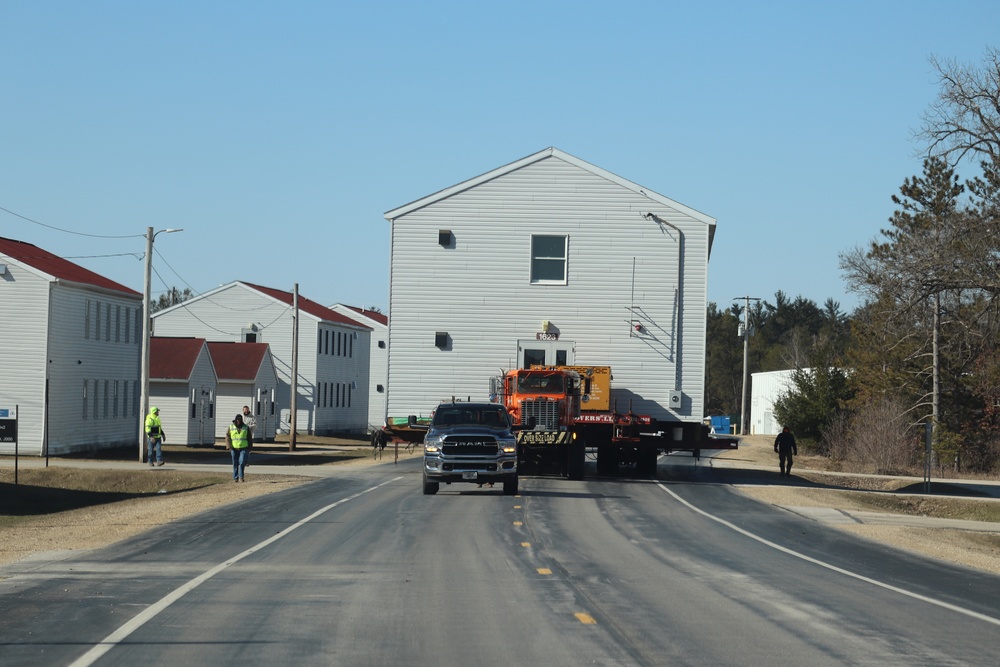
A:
251, 423
249, 419
155, 437
784, 445
239, 442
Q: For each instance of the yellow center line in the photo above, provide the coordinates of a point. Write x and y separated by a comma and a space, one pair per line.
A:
544, 570
525, 544
518, 523
586, 619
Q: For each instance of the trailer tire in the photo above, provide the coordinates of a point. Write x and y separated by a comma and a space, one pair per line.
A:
607, 460
576, 455
646, 464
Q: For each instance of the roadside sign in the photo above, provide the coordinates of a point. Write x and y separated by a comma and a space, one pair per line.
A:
8, 425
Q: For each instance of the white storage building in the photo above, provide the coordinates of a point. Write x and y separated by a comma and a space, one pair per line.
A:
183, 385
765, 390
246, 377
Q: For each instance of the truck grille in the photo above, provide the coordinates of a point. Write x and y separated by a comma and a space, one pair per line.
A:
546, 413
465, 445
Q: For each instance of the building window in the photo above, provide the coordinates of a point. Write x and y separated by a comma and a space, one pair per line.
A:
86, 321
94, 402
548, 260
97, 320
118, 324
350, 345
107, 324
106, 393
138, 324
85, 388
114, 400
338, 394
128, 323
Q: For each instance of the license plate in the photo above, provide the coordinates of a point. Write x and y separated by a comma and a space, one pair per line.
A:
470, 475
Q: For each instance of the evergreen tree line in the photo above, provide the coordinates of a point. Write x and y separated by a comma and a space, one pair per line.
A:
923, 347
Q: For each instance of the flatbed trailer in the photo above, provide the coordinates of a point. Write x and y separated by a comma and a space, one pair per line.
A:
631, 439
399, 431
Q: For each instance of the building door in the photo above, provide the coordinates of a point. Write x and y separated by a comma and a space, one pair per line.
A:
545, 352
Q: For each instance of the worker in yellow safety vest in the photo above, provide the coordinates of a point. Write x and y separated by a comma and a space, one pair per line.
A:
155, 437
239, 442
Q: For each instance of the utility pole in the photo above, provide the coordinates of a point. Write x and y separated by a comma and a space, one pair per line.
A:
144, 362
295, 368
746, 357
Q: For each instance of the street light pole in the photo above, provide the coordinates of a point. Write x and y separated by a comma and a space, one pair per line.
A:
144, 372
746, 359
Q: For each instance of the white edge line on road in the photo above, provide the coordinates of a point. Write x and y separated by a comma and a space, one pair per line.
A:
150, 612
834, 568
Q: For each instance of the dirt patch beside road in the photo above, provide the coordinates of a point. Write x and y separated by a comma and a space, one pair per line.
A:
88, 502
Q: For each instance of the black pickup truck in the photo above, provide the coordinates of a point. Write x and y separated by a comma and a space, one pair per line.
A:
470, 442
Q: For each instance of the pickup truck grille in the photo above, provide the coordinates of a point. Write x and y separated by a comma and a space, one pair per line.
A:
465, 445
546, 413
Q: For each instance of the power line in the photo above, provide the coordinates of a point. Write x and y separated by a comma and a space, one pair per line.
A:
67, 231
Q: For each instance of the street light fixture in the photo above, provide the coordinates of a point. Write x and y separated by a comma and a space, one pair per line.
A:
144, 401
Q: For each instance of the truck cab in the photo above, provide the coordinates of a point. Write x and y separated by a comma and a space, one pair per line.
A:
472, 443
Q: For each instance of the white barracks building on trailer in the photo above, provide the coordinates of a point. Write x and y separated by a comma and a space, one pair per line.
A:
550, 260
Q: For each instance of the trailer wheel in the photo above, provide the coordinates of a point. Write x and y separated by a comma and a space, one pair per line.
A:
576, 458
510, 487
607, 459
646, 463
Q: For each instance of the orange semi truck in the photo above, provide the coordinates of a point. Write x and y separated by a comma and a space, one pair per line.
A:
564, 410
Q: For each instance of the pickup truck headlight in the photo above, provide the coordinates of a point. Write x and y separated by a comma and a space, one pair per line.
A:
508, 446
432, 445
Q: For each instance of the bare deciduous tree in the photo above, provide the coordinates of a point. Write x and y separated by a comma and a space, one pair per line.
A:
965, 118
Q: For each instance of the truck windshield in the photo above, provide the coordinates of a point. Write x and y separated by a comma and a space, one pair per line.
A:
464, 416
540, 383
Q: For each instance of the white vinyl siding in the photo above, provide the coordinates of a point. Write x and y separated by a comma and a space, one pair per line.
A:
620, 265
378, 354
53, 339
203, 317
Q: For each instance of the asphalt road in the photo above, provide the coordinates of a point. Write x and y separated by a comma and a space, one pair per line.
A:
361, 569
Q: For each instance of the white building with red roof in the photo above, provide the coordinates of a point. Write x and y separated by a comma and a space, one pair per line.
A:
183, 385
70, 354
333, 350
378, 363
246, 377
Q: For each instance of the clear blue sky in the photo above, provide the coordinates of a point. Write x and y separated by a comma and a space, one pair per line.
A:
278, 133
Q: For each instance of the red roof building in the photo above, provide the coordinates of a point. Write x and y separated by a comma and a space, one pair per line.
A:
77, 332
